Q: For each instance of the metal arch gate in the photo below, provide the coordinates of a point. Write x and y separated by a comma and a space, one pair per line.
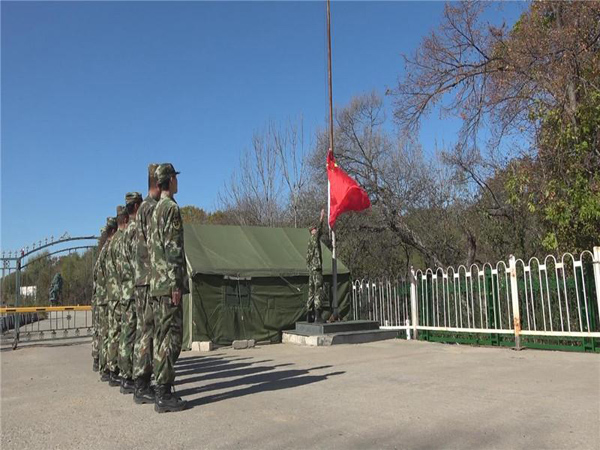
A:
38, 321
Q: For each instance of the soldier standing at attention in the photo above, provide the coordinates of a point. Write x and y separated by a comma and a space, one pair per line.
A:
96, 291
314, 261
142, 354
104, 285
115, 297
167, 286
128, 312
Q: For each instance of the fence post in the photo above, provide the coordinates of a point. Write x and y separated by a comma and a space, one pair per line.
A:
413, 303
596, 264
514, 291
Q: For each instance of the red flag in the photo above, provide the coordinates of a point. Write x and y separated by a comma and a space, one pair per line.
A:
344, 193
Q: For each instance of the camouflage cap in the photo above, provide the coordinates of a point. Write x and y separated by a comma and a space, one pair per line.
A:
111, 222
152, 169
133, 197
164, 172
121, 211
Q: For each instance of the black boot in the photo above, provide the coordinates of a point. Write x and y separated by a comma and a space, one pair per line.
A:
318, 318
115, 380
144, 391
167, 401
310, 317
95, 365
127, 386
105, 376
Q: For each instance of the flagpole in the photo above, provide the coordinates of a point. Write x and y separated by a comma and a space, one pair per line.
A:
333, 252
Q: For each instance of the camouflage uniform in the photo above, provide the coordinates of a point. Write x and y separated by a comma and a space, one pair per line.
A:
314, 261
142, 355
96, 291
104, 284
100, 305
167, 274
115, 292
128, 312
94, 313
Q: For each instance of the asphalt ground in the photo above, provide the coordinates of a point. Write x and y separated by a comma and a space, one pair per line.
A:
390, 394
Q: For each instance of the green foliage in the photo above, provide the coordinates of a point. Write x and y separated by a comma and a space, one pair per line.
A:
562, 184
75, 268
193, 214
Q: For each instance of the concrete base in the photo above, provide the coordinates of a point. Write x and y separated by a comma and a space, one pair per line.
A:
243, 343
202, 346
348, 337
316, 329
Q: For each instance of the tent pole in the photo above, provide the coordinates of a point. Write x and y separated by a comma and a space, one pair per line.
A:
333, 253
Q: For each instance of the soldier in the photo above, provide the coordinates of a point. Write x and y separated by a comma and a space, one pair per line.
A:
115, 294
102, 298
167, 286
142, 355
128, 313
96, 291
314, 261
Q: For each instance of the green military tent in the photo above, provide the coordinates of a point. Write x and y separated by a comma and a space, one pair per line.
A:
250, 282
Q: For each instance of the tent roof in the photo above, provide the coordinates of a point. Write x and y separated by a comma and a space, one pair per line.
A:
250, 251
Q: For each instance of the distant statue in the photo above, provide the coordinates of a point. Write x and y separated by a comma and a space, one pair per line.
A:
56, 289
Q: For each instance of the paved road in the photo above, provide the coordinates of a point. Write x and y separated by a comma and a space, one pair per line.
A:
392, 394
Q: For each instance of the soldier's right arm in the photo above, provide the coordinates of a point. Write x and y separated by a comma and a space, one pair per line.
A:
321, 223
173, 246
101, 276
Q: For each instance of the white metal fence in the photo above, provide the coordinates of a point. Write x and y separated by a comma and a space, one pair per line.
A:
384, 300
547, 297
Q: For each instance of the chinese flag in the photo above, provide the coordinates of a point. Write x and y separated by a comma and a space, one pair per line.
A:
344, 193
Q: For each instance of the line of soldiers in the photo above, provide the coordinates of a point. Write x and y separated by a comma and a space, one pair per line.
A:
139, 281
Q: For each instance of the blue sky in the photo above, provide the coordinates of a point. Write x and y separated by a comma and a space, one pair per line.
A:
94, 91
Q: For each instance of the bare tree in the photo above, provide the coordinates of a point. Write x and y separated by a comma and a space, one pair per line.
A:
254, 194
291, 147
500, 79
401, 182
535, 81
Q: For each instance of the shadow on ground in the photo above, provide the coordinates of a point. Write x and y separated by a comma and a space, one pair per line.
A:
237, 377
6, 345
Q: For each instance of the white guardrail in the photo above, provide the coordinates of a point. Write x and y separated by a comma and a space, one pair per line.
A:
538, 297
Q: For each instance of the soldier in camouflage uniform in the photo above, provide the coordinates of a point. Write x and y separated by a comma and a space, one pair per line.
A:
102, 298
314, 261
115, 294
96, 291
128, 312
167, 286
142, 354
